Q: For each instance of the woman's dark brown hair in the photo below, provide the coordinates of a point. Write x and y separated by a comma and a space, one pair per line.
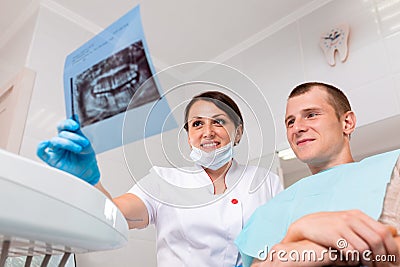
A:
222, 101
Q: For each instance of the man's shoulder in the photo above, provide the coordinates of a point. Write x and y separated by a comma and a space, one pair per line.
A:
382, 156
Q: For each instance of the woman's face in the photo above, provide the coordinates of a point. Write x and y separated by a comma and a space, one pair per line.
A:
209, 127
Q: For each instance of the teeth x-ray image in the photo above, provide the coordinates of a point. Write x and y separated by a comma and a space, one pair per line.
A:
106, 89
109, 79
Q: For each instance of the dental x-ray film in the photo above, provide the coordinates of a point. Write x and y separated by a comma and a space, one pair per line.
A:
110, 75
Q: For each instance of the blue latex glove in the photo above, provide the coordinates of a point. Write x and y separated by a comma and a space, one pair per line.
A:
71, 151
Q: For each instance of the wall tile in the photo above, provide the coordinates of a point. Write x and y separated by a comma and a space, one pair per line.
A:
28, 148
359, 14
274, 64
147, 234
388, 15
136, 253
281, 140
397, 86
13, 53
375, 101
392, 44
49, 48
364, 63
115, 177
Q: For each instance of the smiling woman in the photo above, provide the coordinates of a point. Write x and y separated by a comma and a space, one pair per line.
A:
213, 127
212, 199
214, 124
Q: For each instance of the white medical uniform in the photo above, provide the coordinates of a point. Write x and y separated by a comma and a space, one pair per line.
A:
204, 235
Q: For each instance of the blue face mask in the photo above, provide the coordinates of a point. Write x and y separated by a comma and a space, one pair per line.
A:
212, 160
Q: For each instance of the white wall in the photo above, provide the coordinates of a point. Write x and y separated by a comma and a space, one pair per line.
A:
370, 76
15, 44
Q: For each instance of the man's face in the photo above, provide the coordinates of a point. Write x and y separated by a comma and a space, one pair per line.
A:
313, 130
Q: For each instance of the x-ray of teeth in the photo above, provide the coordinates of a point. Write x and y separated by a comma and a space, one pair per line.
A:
114, 79
110, 77
107, 88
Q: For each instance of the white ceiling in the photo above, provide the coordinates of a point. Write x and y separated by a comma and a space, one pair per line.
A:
176, 30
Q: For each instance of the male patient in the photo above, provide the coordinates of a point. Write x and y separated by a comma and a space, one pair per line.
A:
339, 205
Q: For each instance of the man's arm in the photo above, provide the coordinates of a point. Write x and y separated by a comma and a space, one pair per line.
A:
348, 231
305, 253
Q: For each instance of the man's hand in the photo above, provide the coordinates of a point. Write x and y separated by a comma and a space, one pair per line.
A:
348, 231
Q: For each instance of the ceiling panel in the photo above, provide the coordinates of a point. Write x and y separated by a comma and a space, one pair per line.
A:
178, 31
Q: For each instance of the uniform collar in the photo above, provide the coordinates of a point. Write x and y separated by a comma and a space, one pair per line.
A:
231, 178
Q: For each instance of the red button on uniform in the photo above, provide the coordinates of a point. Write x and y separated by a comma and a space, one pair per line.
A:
234, 201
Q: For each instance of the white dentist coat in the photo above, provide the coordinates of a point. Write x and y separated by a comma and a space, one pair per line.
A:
202, 233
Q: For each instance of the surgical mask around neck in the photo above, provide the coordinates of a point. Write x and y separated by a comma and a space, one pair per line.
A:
214, 159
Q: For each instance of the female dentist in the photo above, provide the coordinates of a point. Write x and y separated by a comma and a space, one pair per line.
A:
202, 235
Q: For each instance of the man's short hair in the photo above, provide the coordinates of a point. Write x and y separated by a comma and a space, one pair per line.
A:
336, 98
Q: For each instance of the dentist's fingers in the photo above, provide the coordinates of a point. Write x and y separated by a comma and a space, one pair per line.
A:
41, 150
65, 144
68, 125
75, 138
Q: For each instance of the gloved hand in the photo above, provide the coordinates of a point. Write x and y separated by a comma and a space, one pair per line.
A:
71, 151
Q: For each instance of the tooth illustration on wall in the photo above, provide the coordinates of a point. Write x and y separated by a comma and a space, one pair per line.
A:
335, 40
